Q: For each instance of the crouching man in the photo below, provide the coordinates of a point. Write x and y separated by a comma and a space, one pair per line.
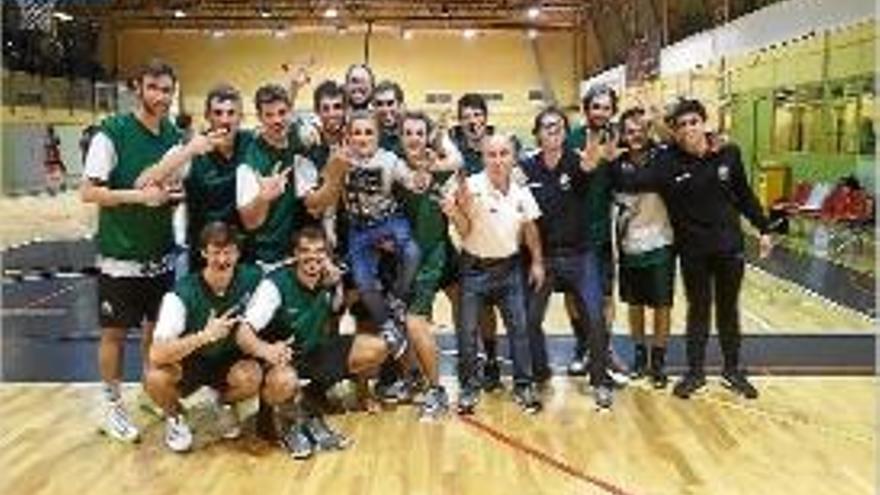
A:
286, 327
194, 342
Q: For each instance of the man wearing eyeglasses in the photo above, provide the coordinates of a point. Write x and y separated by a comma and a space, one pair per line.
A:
559, 184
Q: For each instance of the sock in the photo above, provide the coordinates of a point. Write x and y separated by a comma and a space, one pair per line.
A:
490, 347
110, 392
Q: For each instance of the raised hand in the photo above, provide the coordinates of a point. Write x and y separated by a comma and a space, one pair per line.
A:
299, 74
218, 327
273, 186
201, 144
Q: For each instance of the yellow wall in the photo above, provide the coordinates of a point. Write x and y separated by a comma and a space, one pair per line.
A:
430, 61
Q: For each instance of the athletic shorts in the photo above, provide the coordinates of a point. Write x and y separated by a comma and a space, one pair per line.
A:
650, 285
327, 363
433, 275
199, 370
125, 302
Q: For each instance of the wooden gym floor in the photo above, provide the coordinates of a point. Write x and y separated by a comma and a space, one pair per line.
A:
813, 436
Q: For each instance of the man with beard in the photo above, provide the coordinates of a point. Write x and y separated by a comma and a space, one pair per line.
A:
388, 105
558, 183
494, 216
285, 327
599, 105
195, 338
134, 230
646, 258
269, 208
359, 81
705, 189
329, 105
207, 165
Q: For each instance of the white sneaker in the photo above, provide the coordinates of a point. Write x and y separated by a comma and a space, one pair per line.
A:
227, 420
117, 424
178, 436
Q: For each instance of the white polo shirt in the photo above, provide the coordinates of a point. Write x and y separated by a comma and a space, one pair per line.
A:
497, 218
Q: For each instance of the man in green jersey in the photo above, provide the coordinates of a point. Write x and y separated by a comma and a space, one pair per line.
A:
207, 165
267, 196
430, 230
195, 338
285, 326
134, 229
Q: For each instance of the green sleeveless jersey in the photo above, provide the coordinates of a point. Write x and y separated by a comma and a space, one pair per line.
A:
210, 188
303, 313
270, 242
132, 231
200, 300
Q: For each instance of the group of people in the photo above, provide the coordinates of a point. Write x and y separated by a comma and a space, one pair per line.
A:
373, 209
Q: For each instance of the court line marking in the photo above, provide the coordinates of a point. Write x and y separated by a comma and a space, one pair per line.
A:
547, 459
810, 292
50, 296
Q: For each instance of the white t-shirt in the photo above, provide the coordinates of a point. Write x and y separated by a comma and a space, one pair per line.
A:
262, 306
100, 159
497, 218
172, 318
247, 184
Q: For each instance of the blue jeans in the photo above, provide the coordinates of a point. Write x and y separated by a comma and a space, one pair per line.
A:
500, 284
363, 257
580, 275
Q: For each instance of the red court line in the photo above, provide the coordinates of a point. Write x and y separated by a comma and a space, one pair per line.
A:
568, 469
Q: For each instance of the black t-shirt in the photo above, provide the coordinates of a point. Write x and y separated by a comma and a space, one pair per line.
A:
559, 193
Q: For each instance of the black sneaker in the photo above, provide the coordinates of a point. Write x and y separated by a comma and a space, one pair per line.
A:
324, 437
526, 397
689, 383
468, 398
736, 381
394, 338
491, 376
543, 376
658, 362
658, 378
297, 442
